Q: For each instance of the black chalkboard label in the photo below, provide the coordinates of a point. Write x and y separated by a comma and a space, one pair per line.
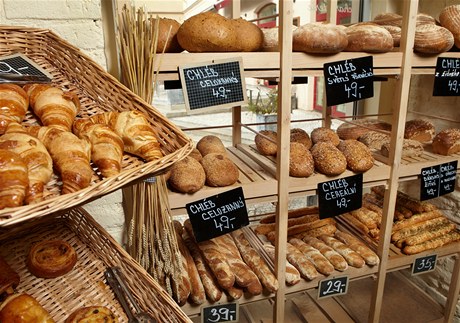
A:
424, 264
438, 180
228, 312
20, 64
349, 80
218, 214
447, 77
340, 196
213, 85
333, 287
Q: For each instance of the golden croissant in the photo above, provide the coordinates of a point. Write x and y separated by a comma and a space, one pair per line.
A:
14, 103
13, 179
53, 106
106, 145
135, 130
71, 156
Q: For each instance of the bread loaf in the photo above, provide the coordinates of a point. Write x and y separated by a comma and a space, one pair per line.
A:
452, 236
351, 256
418, 227
447, 142
395, 33
416, 218
432, 39
368, 217
266, 142
420, 130
234, 292
316, 232
410, 148
324, 134
388, 18
264, 228
449, 17
301, 136
292, 274
210, 144
359, 157
9, 279
328, 159
195, 153
220, 170
320, 38
360, 127
295, 229
23, 308
271, 36
300, 160
294, 213
320, 262
253, 37
333, 256
187, 175
368, 37
374, 139
167, 35
426, 235
369, 256
300, 261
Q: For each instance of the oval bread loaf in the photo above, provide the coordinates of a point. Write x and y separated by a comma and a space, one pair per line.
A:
420, 130
328, 159
368, 37
301, 161
324, 134
449, 18
432, 39
219, 169
168, 27
266, 142
447, 142
360, 127
301, 136
187, 176
358, 155
320, 38
210, 144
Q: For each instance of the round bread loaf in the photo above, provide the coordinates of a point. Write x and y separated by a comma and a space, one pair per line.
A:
23, 308
266, 142
424, 18
301, 136
449, 18
395, 33
420, 130
388, 18
324, 134
301, 160
171, 44
195, 153
329, 160
210, 144
358, 155
270, 42
447, 142
219, 169
374, 139
360, 127
250, 37
187, 175
410, 148
320, 38
92, 314
368, 37
432, 39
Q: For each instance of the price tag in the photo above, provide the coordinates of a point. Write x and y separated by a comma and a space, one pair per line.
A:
438, 180
340, 195
333, 286
349, 80
20, 64
447, 77
424, 264
220, 313
218, 214
213, 85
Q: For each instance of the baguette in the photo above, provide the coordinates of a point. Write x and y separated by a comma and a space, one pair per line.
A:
234, 292
351, 256
369, 256
320, 262
333, 256
300, 261
432, 244
292, 274
309, 226
264, 228
309, 210
367, 217
429, 235
326, 229
255, 261
361, 227
418, 227
416, 218
209, 281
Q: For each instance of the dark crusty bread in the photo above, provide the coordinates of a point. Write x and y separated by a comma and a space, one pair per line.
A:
420, 130
220, 170
266, 142
187, 175
168, 26
319, 37
324, 134
301, 136
447, 142
358, 155
301, 160
329, 160
368, 37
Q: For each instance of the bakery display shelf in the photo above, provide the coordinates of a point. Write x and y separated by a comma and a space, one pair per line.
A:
377, 175
85, 285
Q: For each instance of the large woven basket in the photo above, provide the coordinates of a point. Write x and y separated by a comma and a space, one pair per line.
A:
98, 92
85, 285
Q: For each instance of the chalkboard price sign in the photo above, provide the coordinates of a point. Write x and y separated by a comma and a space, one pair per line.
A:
340, 195
447, 77
20, 64
333, 287
438, 180
213, 85
349, 80
218, 214
220, 313
424, 264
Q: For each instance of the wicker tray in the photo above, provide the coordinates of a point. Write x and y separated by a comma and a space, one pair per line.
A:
98, 92
85, 284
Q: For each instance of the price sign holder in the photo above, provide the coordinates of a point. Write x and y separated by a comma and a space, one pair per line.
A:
20, 64
438, 180
349, 80
424, 264
228, 312
447, 77
340, 195
213, 85
333, 287
218, 214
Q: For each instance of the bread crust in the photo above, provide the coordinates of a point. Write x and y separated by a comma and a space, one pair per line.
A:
329, 160
319, 38
324, 134
92, 314
265, 142
368, 37
447, 142
359, 157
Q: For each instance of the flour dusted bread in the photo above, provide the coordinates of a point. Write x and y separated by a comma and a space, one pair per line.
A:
23, 308
447, 142
358, 155
449, 18
210, 144
328, 159
368, 37
388, 18
266, 142
301, 160
432, 39
187, 175
319, 37
324, 134
419, 129
395, 33
219, 169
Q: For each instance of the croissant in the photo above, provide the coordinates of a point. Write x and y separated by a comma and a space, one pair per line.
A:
133, 127
14, 103
70, 155
35, 155
53, 106
106, 145
13, 179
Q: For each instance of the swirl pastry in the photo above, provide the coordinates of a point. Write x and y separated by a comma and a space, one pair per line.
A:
51, 258
92, 314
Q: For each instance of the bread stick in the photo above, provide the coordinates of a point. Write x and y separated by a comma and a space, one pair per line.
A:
418, 227
430, 234
416, 219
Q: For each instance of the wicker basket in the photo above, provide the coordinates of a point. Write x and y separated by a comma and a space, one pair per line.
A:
85, 284
98, 92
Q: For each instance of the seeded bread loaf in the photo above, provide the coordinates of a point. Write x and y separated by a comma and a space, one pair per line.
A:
420, 130
358, 155
301, 136
219, 169
324, 134
301, 160
447, 142
328, 159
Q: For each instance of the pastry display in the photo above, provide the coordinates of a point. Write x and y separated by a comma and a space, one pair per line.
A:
92, 314
23, 308
51, 258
